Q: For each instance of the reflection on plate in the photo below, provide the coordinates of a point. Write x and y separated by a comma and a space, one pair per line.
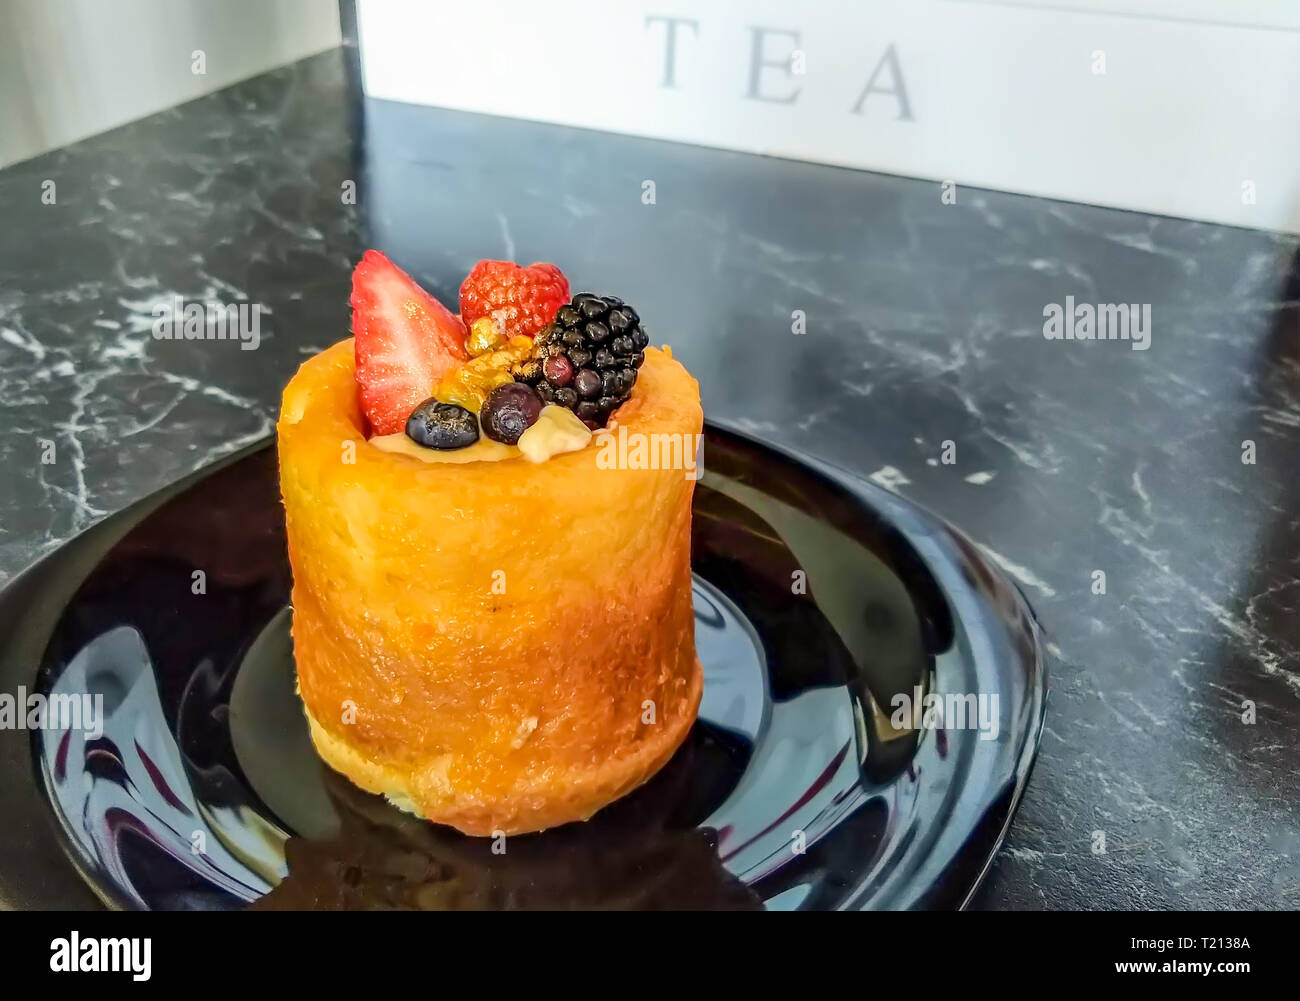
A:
818, 599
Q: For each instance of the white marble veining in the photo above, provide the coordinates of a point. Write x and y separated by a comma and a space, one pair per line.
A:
923, 331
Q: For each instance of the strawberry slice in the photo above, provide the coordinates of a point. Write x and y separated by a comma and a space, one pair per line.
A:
406, 340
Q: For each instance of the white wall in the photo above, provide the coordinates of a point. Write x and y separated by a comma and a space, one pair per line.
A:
1195, 112
71, 68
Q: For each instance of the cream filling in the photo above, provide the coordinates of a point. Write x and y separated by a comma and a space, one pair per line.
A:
483, 450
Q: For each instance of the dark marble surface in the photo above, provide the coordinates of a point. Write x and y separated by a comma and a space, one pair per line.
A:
924, 325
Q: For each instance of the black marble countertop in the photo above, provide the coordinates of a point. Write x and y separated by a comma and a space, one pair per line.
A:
924, 326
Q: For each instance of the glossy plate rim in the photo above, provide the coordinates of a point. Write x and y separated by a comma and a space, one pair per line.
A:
102, 536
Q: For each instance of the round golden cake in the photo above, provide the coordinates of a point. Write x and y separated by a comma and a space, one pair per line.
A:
500, 646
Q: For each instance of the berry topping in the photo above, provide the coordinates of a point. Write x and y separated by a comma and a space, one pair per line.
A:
509, 411
406, 340
589, 356
586, 382
442, 425
558, 370
521, 300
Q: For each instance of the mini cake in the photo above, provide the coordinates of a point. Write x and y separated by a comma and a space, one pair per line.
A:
491, 626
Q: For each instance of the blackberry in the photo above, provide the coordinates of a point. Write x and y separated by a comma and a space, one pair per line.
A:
587, 358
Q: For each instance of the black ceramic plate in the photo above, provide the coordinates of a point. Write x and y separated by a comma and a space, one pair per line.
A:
818, 599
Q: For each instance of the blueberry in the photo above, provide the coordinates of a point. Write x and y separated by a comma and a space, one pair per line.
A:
587, 383
579, 357
509, 411
566, 397
441, 425
621, 345
597, 331
559, 370
618, 321
568, 316
640, 339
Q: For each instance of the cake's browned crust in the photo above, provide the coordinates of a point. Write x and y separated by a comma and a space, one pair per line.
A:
502, 646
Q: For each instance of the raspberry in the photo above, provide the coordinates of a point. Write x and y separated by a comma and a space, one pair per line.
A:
520, 300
